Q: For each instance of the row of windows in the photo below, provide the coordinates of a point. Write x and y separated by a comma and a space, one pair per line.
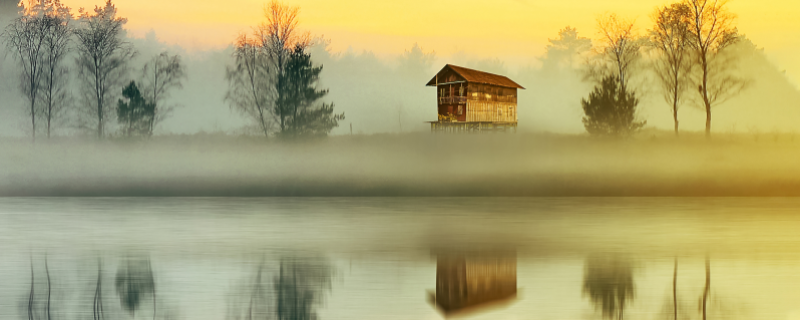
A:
475, 90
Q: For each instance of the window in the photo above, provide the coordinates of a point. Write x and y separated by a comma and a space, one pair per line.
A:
461, 91
460, 110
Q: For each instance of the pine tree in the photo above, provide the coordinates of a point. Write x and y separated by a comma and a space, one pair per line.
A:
297, 97
611, 110
136, 114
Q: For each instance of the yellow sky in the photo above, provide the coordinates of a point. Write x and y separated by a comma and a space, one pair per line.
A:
513, 30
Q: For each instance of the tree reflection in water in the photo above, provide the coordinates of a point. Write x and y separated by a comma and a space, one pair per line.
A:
135, 282
294, 292
608, 281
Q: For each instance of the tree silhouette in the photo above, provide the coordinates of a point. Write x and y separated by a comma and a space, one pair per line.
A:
279, 37
134, 282
711, 31
160, 75
136, 114
670, 37
564, 50
621, 46
260, 61
102, 59
25, 37
250, 83
608, 281
57, 41
298, 95
610, 110
299, 287
416, 62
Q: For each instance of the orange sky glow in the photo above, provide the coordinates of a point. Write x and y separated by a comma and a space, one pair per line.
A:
515, 31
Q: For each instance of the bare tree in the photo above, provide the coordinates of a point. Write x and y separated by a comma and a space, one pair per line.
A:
259, 62
279, 37
621, 45
57, 40
712, 30
102, 59
25, 38
160, 75
670, 37
250, 83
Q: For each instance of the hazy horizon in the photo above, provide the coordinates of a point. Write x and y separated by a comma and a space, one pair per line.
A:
365, 82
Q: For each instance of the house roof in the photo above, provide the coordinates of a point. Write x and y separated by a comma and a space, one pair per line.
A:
475, 76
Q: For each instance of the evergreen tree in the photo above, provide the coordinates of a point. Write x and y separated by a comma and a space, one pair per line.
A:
297, 97
135, 114
611, 110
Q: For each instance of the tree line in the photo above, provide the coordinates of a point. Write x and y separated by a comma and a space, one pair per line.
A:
686, 46
75, 71
291, 287
609, 283
274, 82
57, 51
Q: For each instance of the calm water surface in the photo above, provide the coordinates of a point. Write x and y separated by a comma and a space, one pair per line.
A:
376, 258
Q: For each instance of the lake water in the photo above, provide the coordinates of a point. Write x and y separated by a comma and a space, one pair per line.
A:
376, 258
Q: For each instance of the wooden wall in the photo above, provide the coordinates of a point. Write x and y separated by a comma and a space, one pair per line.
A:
490, 278
480, 111
478, 102
462, 281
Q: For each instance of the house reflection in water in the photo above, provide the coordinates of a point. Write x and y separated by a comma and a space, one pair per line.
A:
467, 280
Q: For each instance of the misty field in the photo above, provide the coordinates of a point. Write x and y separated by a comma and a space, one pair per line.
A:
419, 164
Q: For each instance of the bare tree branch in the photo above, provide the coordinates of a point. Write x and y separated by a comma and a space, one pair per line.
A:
621, 45
670, 38
712, 31
102, 61
25, 38
160, 75
259, 62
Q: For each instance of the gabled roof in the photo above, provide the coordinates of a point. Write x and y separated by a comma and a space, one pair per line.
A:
475, 76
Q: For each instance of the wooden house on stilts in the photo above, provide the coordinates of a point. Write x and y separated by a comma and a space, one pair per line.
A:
471, 100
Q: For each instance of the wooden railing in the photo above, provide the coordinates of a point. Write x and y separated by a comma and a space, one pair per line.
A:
452, 100
463, 100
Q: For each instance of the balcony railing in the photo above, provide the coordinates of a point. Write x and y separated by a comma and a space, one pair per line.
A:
452, 100
483, 97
